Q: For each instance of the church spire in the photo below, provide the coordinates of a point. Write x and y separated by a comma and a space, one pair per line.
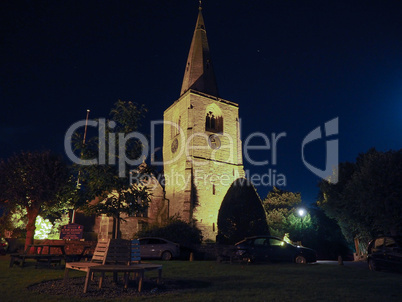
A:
199, 74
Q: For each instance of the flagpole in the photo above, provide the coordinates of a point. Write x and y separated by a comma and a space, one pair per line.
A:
86, 127
83, 142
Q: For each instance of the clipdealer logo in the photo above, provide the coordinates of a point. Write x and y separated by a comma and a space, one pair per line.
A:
112, 150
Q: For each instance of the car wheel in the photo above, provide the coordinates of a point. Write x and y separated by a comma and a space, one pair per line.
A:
372, 265
166, 256
300, 259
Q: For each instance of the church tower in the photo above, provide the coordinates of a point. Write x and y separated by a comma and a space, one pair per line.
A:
202, 151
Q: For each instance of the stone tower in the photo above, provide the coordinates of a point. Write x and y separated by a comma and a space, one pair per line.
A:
202, 151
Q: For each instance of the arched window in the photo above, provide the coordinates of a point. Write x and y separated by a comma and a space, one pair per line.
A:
178, 129
175, 127
213, 119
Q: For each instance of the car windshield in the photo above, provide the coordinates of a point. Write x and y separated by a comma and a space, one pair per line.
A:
276, 242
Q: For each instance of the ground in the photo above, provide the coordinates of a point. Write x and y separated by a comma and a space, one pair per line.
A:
210, 281
74, 288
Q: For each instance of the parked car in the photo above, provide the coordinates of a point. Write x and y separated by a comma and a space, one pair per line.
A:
158, 248
3, 246
385, 252
269, 248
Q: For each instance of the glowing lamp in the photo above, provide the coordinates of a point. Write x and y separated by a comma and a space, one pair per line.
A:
301, 212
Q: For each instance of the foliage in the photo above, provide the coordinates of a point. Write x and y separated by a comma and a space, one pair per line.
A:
281, 207
324, 236
37, 181
241, 214
107, 191
13, 222
367, 200
43, 228
46, 229
315, 230
280, 199
57, 225
175, 230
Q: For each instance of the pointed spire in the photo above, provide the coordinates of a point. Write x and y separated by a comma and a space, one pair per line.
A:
199, 74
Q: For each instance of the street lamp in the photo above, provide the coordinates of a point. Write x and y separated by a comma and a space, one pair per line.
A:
301, 212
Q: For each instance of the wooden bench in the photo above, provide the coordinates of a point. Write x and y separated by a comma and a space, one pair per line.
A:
98, 258
138, 269
19, 259
117, 256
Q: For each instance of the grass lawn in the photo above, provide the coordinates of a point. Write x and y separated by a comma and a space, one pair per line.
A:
211, 281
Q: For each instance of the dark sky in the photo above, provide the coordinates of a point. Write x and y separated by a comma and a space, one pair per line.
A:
290, 65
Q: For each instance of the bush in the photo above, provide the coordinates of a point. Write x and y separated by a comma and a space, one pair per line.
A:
176, 230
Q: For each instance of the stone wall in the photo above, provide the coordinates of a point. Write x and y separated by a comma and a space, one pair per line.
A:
156, 213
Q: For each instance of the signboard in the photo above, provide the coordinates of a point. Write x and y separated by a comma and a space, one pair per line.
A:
71, 231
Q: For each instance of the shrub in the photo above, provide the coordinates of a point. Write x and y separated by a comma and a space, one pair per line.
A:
176, 230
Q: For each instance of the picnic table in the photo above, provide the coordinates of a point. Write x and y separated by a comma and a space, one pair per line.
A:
85, 254
41, 253
48, 253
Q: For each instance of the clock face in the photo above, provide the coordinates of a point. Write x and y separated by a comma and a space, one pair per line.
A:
214, 142
175, 145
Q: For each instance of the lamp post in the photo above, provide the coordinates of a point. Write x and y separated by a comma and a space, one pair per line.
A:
301, 212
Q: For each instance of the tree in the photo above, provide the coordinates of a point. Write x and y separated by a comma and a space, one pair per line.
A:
367, 200
315, 229
13, 220
241, 213
103, 190
282, 217
339, 205
325, 236
36, 181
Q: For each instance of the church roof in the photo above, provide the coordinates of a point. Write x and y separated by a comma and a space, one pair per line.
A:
199, 74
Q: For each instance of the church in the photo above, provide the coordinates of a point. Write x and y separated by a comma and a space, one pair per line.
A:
202, 151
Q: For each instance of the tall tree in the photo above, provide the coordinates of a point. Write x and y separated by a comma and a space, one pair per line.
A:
325, 236
241, 213
367, 200
339, 205
36, 181
282, 217
107, 188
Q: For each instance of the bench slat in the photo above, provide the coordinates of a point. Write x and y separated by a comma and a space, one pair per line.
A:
115, 255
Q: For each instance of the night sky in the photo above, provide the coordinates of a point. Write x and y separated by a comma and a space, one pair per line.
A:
290, 65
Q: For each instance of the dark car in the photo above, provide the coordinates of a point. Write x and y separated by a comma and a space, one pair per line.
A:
158, 248
268, 248
385, 252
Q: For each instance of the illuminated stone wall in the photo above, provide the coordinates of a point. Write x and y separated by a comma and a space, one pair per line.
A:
157, 213
198, 171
